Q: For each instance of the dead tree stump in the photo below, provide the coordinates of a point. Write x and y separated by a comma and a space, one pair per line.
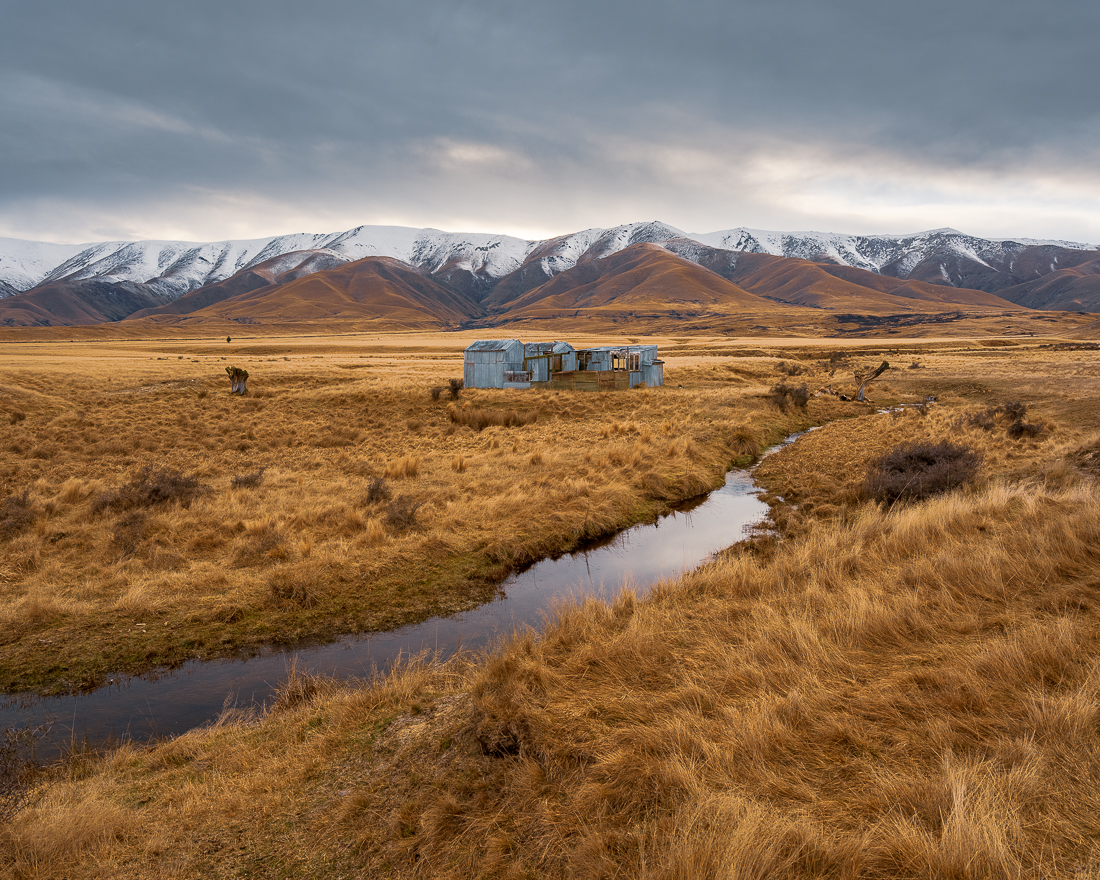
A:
238, 378
864, 378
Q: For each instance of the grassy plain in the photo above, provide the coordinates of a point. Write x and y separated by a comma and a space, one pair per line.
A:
149, 516
910, 691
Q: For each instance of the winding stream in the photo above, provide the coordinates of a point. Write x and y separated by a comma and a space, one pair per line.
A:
170, 702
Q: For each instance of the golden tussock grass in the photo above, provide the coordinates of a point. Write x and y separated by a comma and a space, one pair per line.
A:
168, 478
909, 691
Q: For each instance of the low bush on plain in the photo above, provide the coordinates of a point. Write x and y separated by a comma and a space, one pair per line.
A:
377, 492
16, 513
456, 386
785, 396
911, 471
401, 513
1009, 416
480, 419
151, 487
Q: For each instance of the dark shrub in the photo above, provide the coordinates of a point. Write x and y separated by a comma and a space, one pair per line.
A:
1008, 415
151, 487
456, 386
16, 513
784, 395
401, 513
1020, 429
377, 492
912, 471
436, 391
790, 368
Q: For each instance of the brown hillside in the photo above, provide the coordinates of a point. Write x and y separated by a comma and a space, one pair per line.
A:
277, 270
1075, 289
802, 282
375, 288
643, 278
69, 303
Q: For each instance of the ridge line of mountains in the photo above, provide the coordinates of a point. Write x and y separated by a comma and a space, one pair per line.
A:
425, 278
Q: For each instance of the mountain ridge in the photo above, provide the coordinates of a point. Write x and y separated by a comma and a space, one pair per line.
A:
494, 270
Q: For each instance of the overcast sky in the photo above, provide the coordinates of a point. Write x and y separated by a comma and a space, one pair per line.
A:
212, 119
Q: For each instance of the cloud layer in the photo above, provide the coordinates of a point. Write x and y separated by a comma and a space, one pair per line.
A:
207, 120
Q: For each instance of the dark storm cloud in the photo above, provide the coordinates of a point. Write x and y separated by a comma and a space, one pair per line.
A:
537, 110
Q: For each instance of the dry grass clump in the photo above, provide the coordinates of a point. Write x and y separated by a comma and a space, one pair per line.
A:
18, 769
920, 470
247, 481
301, 688
480, 419
406, 466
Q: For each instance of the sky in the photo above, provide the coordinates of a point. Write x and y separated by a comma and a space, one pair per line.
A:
204, 120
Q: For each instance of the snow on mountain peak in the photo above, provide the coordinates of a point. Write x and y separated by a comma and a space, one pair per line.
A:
172, 268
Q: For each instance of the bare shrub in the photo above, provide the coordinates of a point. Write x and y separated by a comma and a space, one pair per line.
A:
377, 492
912, 471
480, 419
790, 368
16, 513
150, 487
17, 767
247, 481
455, 386
1020, 430
436, 391
784, 396
1008, 415
401, 513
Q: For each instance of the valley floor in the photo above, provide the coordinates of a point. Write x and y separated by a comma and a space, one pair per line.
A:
905, 691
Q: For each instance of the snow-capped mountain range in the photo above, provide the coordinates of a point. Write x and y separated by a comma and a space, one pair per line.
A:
173, 268
111, 281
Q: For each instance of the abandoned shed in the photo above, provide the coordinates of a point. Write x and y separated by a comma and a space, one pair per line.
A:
509, 363
487, 360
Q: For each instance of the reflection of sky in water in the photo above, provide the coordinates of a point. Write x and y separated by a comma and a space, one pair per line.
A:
171, 702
